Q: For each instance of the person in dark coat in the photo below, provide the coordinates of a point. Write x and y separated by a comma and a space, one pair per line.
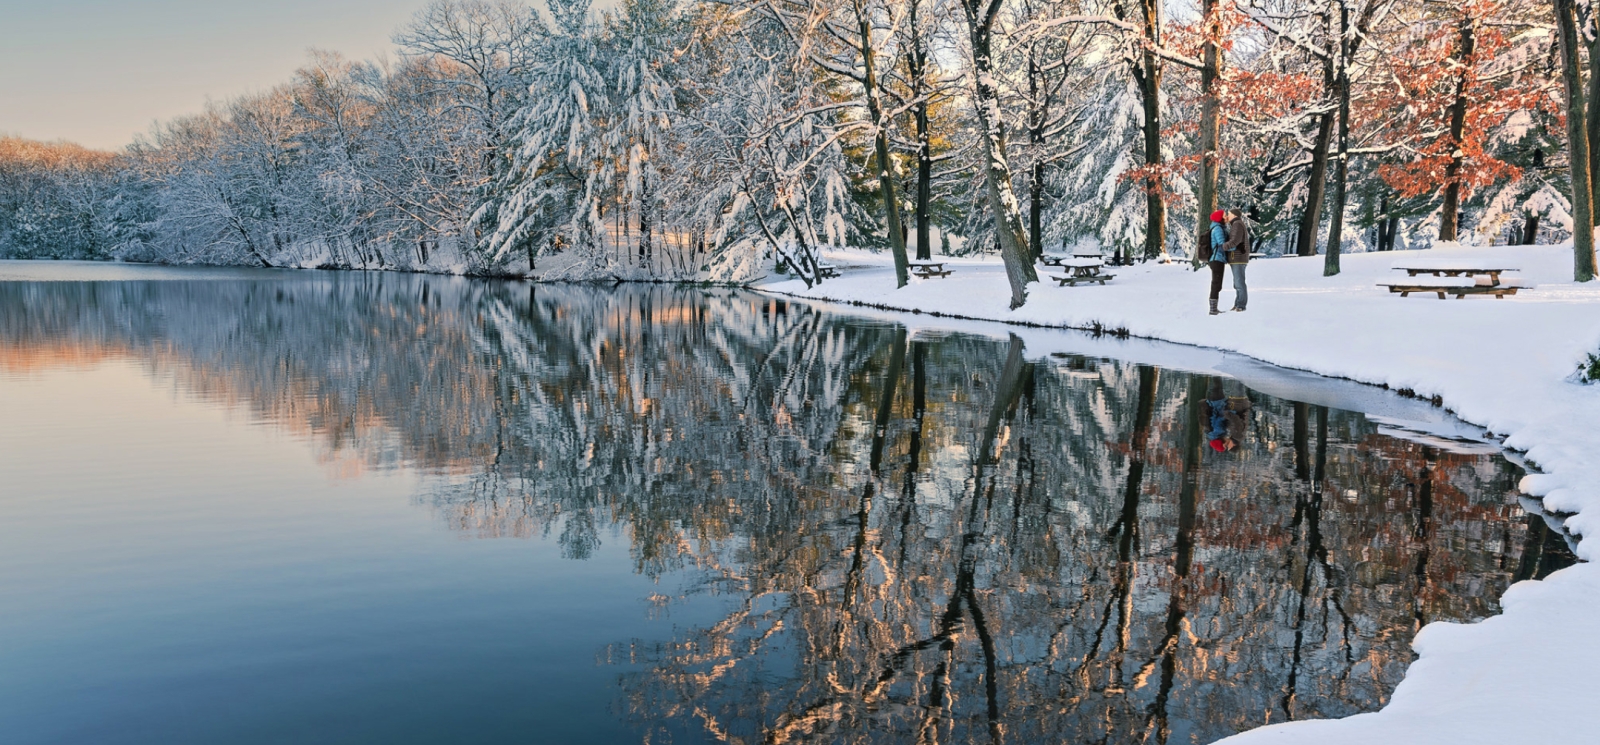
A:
1238, 252
1216, 260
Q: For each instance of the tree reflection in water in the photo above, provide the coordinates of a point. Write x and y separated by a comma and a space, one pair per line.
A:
920, 538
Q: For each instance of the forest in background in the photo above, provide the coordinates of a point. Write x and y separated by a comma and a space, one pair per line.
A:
715, 139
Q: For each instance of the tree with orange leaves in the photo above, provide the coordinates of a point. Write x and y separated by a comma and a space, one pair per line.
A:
1449, 85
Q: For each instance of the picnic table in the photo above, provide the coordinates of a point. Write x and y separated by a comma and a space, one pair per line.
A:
1485, 281
1057, 259
1445, 271
825, 271
927, 269
1082, 270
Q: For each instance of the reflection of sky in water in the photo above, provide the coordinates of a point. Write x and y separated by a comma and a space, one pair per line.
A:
235, 511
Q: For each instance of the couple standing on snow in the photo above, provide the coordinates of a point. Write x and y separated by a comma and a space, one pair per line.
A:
1233, 249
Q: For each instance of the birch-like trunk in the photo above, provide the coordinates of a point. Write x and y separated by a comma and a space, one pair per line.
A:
997, 168
891, 202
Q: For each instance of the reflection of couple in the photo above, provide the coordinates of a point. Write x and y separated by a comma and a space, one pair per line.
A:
1225, 417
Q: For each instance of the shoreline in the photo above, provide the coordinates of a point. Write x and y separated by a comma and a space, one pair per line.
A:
1505, 365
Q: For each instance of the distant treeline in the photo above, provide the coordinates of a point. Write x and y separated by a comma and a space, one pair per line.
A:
709, 139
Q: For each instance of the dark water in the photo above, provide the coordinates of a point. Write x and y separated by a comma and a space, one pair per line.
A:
382, 509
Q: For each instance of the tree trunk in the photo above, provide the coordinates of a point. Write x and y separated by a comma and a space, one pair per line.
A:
1383, 220
646, 249
1210, 126
891, 202
1578, 143
1149, 79
1530, 230
917, 69
1341, 170
1592, 110
924, 185
1036, 120
1306, 243
997, 168
1450, 212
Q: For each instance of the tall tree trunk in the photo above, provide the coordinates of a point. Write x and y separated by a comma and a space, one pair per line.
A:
1450, 211
1316, 182
1578, 143
1592, 111
1530, 230
1210, 126
891, 202
924, 188
917, 67
1148, 76
980, 16
1306, 241
1341, 169
1037, 111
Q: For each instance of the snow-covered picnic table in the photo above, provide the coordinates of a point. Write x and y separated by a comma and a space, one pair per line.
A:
926, 269
1493, 273
1460, 280
1082, 270
827, 270
1057, 259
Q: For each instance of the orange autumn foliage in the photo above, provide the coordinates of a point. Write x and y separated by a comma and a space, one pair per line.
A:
1414, 96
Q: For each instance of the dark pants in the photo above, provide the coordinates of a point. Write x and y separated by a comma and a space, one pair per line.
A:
1217, 269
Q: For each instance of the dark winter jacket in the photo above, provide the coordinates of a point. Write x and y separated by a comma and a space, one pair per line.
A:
1238, 245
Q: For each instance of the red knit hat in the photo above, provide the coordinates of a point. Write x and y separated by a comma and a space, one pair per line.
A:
1217, 216
1219, 446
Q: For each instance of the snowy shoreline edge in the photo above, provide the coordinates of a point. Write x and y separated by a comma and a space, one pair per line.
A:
1529, 673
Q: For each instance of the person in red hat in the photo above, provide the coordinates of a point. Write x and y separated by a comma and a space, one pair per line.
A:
1217, 260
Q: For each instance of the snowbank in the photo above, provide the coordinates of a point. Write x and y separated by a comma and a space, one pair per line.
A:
1530, 674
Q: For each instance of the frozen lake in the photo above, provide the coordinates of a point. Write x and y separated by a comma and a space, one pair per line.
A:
263, 506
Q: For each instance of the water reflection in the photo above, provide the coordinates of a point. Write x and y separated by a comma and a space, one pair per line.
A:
920, 538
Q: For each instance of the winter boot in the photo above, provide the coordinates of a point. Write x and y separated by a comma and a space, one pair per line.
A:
1214, 310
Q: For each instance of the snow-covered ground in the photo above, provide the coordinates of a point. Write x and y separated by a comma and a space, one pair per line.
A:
1529, 675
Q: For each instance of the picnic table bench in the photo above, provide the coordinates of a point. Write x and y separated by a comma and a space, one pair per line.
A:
1484, 281
927, 269
1499, 291
827, 270
1083, 270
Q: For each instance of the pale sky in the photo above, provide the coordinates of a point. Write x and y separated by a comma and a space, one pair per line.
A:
98, 71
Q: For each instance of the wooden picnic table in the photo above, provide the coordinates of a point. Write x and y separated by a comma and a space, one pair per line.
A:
928, 269
1447, 271
1486, 281
827, 270
1083, 270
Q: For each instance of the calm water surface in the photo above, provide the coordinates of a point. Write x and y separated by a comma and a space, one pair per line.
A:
348, 508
